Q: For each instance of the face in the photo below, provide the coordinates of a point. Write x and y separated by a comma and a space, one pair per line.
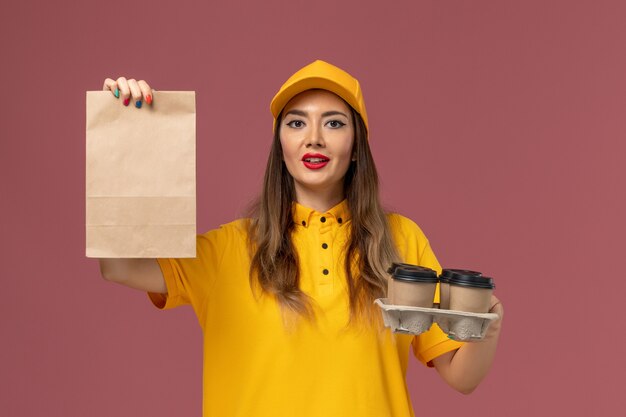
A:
317, 137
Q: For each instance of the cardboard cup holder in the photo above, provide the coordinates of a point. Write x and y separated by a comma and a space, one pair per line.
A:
461, 325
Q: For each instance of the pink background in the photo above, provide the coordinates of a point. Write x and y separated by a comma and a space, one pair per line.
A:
497, 126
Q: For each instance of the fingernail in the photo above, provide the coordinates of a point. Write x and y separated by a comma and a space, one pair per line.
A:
450, 337
138, 104
127, 101
117, 93
149, 99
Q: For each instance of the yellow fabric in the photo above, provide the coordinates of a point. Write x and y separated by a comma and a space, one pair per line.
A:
255, 366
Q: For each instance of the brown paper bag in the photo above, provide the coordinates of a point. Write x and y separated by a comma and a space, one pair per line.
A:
141, 177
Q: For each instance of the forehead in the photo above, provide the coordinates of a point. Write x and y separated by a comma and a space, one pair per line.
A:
317, 98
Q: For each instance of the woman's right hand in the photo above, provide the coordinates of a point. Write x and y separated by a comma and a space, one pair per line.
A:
127, 90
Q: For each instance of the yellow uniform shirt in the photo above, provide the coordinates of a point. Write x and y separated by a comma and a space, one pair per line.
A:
254, 366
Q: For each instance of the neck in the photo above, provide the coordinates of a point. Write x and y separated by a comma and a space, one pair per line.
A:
320, 200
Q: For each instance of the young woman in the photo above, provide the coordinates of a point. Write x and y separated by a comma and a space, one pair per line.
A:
285, 296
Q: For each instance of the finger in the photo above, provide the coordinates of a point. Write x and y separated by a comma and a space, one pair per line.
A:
108, 84
146, 91
135, 91
496, 307
111, 85
122, 84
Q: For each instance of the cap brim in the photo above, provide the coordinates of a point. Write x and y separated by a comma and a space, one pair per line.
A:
282, 98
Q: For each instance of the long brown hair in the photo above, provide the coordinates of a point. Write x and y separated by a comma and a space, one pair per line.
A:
370, 249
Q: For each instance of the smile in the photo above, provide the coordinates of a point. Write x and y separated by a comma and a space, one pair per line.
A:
315, 164
315, 161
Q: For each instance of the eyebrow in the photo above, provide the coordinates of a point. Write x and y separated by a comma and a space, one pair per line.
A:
325, 114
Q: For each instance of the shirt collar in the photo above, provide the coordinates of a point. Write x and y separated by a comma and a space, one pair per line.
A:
303, 216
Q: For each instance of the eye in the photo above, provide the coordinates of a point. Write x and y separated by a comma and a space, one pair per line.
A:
335, 124
296, 124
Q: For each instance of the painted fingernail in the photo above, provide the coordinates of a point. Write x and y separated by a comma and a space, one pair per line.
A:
138, 104
149, 99
117, 93
127, 101
450, 337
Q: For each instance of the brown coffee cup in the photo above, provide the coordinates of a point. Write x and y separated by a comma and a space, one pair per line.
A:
390, 278
470, 293
444, 284
413, 286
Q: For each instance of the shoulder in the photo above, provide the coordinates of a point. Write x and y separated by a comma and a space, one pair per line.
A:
404, 228
412, 244
233, 232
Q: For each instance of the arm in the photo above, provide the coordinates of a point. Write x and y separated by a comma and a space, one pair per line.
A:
464, 368
141, 274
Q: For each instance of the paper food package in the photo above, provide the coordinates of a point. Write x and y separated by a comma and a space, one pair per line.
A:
141, 176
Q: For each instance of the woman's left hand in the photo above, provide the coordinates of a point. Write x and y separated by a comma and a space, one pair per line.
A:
464, 368
495, 326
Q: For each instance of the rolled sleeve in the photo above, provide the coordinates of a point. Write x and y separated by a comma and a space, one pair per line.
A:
175, 294
431, 344
189, 281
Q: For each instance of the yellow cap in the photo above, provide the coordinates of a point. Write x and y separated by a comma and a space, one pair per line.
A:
325, 76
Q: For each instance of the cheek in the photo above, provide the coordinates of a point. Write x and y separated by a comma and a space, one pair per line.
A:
288, 152
348, 147
284, 144
289, 155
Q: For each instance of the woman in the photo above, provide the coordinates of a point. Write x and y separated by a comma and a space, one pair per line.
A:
285, 296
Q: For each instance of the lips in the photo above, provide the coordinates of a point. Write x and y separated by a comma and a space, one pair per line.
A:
315, 160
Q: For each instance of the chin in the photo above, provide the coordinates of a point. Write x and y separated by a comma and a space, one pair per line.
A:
320, 185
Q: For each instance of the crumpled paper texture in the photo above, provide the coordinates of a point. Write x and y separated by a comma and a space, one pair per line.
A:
141, 177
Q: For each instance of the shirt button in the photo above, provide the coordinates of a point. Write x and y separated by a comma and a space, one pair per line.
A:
325, 272
339, 220
303, 223
324, 246
323, 219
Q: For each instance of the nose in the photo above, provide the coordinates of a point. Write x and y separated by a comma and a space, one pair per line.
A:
316, 136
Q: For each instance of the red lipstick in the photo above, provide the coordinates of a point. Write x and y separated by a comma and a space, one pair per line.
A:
315, 160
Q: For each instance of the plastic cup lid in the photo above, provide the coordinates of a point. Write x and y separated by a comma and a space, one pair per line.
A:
414, 273
397, 264
474, 281
447, 273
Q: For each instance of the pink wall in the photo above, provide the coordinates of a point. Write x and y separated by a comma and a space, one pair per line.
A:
498, 126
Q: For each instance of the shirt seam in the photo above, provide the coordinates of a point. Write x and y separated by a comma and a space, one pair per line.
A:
437, 350
172, 296
202, 312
